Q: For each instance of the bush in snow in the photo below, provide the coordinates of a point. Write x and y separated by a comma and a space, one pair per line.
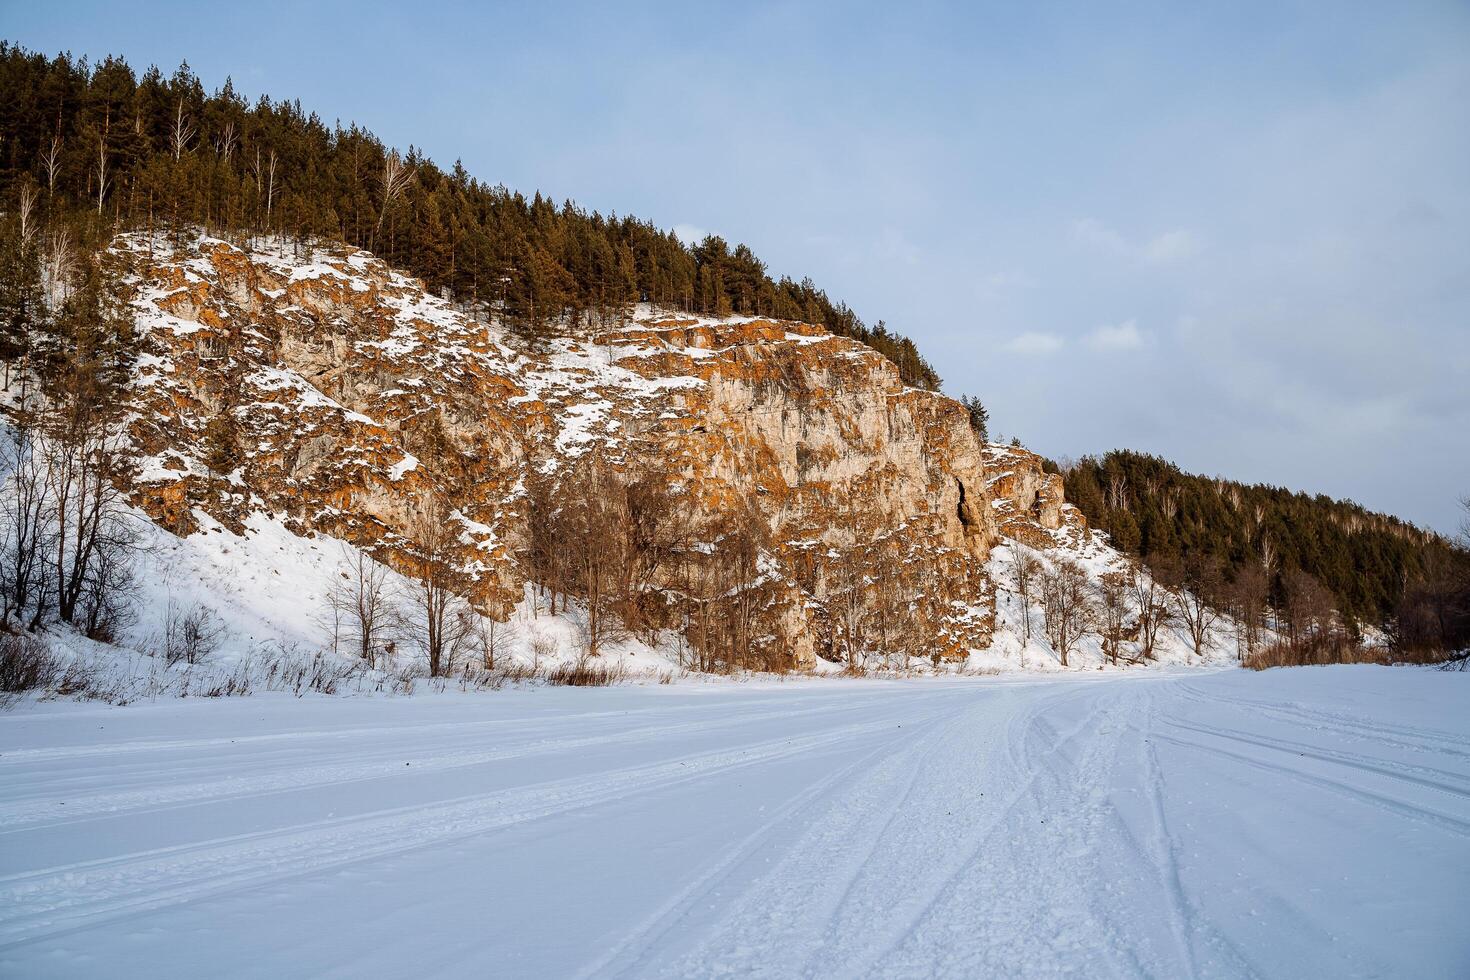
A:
190, 635
26, 663
586, 672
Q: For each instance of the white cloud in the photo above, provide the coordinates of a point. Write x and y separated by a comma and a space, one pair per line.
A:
1031, 342
1171, 246
690, 234
1165, 247
1124, 336
1090, 231
1002, 281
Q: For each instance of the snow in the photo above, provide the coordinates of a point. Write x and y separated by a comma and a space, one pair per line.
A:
1308, 822
408, 463
1010, 650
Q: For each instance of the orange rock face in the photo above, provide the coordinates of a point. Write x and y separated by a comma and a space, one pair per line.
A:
351, 392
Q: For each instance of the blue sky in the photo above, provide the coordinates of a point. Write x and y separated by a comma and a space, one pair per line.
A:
1236, 235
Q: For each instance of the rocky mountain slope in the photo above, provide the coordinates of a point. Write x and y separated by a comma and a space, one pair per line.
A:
320, 390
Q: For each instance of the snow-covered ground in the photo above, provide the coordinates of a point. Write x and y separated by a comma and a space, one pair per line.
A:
1308, 822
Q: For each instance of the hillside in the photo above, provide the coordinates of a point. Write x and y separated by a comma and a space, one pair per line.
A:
507, 409
1378, 571
723, 494
149, 151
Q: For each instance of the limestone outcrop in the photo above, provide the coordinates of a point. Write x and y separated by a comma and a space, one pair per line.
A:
323, 386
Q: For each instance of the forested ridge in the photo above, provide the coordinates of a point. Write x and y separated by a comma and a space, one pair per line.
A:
1378, 569
111, 150
89, 151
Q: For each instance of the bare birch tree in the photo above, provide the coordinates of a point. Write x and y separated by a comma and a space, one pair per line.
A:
51, 163
101, 171
396, 176
181, 133
226, 141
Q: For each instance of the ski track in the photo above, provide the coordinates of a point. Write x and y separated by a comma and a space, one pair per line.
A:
1072, 827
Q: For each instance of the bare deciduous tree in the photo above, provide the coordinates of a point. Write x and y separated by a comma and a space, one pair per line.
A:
101, 171
491, 639
590, 526
191, 634
1068, 608
1246, 597
90, 515
847, 588
364, 604
1115, 592
25, 535
1197, 586
1154, 610
58, 266
270, 191
1024, 572
441, 616
181, 133
26, 211
657, 528
1268, 554
51, 163
1309, 607
1118, 491
225, 142
396, 176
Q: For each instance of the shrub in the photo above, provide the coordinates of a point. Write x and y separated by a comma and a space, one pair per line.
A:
587, 673
26, 663
190, 635
1335, 648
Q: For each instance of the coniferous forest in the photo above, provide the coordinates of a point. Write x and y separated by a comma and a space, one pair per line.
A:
1230, 538
112, 150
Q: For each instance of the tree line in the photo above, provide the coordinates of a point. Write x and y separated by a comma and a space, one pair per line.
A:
1303, 557
156, 152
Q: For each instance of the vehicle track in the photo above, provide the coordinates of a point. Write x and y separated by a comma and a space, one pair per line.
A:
50, 900
41, 805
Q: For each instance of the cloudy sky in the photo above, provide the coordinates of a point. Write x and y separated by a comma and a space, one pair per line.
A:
1236, 235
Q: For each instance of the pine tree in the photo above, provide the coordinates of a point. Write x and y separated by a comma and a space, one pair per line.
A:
979, 417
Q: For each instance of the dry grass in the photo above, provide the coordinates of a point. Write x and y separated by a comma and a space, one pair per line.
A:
1337, 649
587, 672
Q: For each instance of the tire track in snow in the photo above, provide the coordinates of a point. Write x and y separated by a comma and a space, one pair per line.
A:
351, 737
773, 914
53, 900
800, 917
629, 957
1020, 894
1417, 739
1455, 825
1424, 776
39, 809
1163, 849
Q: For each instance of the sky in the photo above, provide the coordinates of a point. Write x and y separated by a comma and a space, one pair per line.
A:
1236, 235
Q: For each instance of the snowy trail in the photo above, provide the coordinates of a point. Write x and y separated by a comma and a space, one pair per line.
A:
1308, 822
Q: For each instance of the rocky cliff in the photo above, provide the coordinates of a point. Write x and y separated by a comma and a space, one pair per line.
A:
321, 385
